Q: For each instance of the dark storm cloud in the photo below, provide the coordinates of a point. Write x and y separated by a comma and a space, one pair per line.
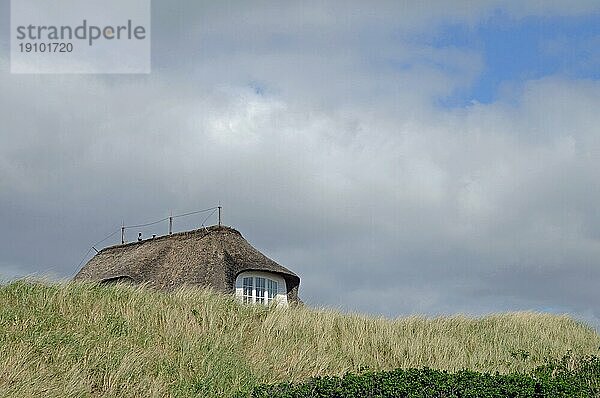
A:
325, 157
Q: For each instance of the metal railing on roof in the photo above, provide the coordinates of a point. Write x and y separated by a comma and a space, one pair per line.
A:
169, 218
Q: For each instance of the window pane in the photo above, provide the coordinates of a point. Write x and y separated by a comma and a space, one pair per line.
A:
247, 286
260, 290
271, 289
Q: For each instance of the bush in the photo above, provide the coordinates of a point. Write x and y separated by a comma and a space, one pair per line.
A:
568, 377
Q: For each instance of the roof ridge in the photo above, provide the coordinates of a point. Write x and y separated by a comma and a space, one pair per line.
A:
204, 230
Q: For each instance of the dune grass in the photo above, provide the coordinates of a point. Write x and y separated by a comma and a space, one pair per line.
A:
80, 340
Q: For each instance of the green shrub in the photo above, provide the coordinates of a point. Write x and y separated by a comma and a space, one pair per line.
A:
568, 377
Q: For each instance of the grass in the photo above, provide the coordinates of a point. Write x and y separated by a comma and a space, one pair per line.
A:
79, 340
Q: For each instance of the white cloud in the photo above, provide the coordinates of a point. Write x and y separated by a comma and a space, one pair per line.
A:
340, 167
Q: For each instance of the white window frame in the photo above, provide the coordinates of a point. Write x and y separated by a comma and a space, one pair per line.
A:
248, 289
262, 288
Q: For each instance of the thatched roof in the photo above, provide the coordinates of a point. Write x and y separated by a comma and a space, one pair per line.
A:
212, 256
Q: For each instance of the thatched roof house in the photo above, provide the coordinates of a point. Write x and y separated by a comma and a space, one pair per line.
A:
216, 256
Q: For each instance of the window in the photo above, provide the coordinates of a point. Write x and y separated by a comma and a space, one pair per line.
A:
260, 287
260, 290
271, 290
248, 294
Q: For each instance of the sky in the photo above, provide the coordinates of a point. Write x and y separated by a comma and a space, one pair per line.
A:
401, 157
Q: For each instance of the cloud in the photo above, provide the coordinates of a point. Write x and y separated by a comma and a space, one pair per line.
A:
328, 151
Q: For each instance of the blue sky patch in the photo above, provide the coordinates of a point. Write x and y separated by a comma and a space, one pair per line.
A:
515, 51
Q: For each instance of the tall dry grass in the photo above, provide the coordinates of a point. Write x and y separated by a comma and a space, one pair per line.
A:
79, 340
